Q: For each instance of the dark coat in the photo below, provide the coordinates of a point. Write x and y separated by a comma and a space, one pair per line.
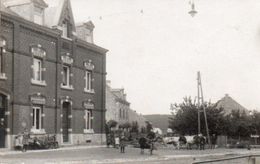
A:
142, 142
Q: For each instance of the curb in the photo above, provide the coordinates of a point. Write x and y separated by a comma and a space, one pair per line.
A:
12, 152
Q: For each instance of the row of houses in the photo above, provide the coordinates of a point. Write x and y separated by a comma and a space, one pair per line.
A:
118, 108
53, 76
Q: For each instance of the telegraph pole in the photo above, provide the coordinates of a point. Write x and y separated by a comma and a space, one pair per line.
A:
201, 102
198, 79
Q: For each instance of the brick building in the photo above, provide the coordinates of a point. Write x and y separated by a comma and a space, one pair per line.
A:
52, 75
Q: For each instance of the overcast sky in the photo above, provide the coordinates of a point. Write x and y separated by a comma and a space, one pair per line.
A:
156, 48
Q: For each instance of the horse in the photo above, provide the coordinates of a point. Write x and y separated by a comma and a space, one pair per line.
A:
177, 142
197, 140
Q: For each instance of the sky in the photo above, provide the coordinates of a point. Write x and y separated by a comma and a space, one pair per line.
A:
156, 48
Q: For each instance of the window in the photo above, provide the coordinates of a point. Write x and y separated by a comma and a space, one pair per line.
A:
88, 119
2, 51
65, 30
38, 15
37, 115
38, 62
88, 85
89, 67
120, 113
66, 76
88, 36
37, 69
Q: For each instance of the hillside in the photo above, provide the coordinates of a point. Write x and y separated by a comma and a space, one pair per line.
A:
159, 121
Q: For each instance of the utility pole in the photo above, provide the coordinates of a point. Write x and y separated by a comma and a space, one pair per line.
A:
201, 102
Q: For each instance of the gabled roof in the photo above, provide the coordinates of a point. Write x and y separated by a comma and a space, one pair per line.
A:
229, 104
40, 2
56, 14
22, 2
6, 10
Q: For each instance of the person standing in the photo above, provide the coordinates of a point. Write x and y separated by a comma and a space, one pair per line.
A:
109, 140
122, 144
142, 143
116, 141
25, 142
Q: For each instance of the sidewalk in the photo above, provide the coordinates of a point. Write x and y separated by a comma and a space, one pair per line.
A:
62, 148
101, 154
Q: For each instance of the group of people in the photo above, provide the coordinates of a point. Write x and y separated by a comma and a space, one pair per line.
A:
117, 141
22, 140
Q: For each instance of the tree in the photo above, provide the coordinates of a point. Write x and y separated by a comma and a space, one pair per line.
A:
239, 124
185, 118
111, 124
125, 125
135, 127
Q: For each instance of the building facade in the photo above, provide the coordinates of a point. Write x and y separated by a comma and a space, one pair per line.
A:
118, 108
116, 105
52, 81
137, 117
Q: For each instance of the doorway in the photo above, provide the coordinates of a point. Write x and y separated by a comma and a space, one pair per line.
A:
65, 121
3, 106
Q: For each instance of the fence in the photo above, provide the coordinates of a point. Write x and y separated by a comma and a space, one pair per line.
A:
246, 159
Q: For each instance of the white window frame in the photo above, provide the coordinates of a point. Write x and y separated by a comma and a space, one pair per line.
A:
2, 52
38, 56
66, 76
88, 81
88, 121
34, 117
37, 69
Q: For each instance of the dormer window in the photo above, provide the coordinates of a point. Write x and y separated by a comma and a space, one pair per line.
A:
38, 15
65, 30
88, 36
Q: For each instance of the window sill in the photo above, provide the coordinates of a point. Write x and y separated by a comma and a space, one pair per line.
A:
40, 83
88, 131
64, 37
3, 76
89, 91
38, 131
67, 87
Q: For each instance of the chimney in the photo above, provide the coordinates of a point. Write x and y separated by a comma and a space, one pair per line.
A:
109, 83
124, 96
85, 31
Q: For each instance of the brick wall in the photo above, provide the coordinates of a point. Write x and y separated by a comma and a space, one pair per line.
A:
20, 36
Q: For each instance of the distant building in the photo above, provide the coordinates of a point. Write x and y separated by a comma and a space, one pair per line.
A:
52, 78
229, 104
137, 117
116, 104
118, 108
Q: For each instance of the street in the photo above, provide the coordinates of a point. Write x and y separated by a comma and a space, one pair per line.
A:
78, 155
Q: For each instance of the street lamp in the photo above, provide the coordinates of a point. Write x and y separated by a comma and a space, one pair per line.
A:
193, 12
